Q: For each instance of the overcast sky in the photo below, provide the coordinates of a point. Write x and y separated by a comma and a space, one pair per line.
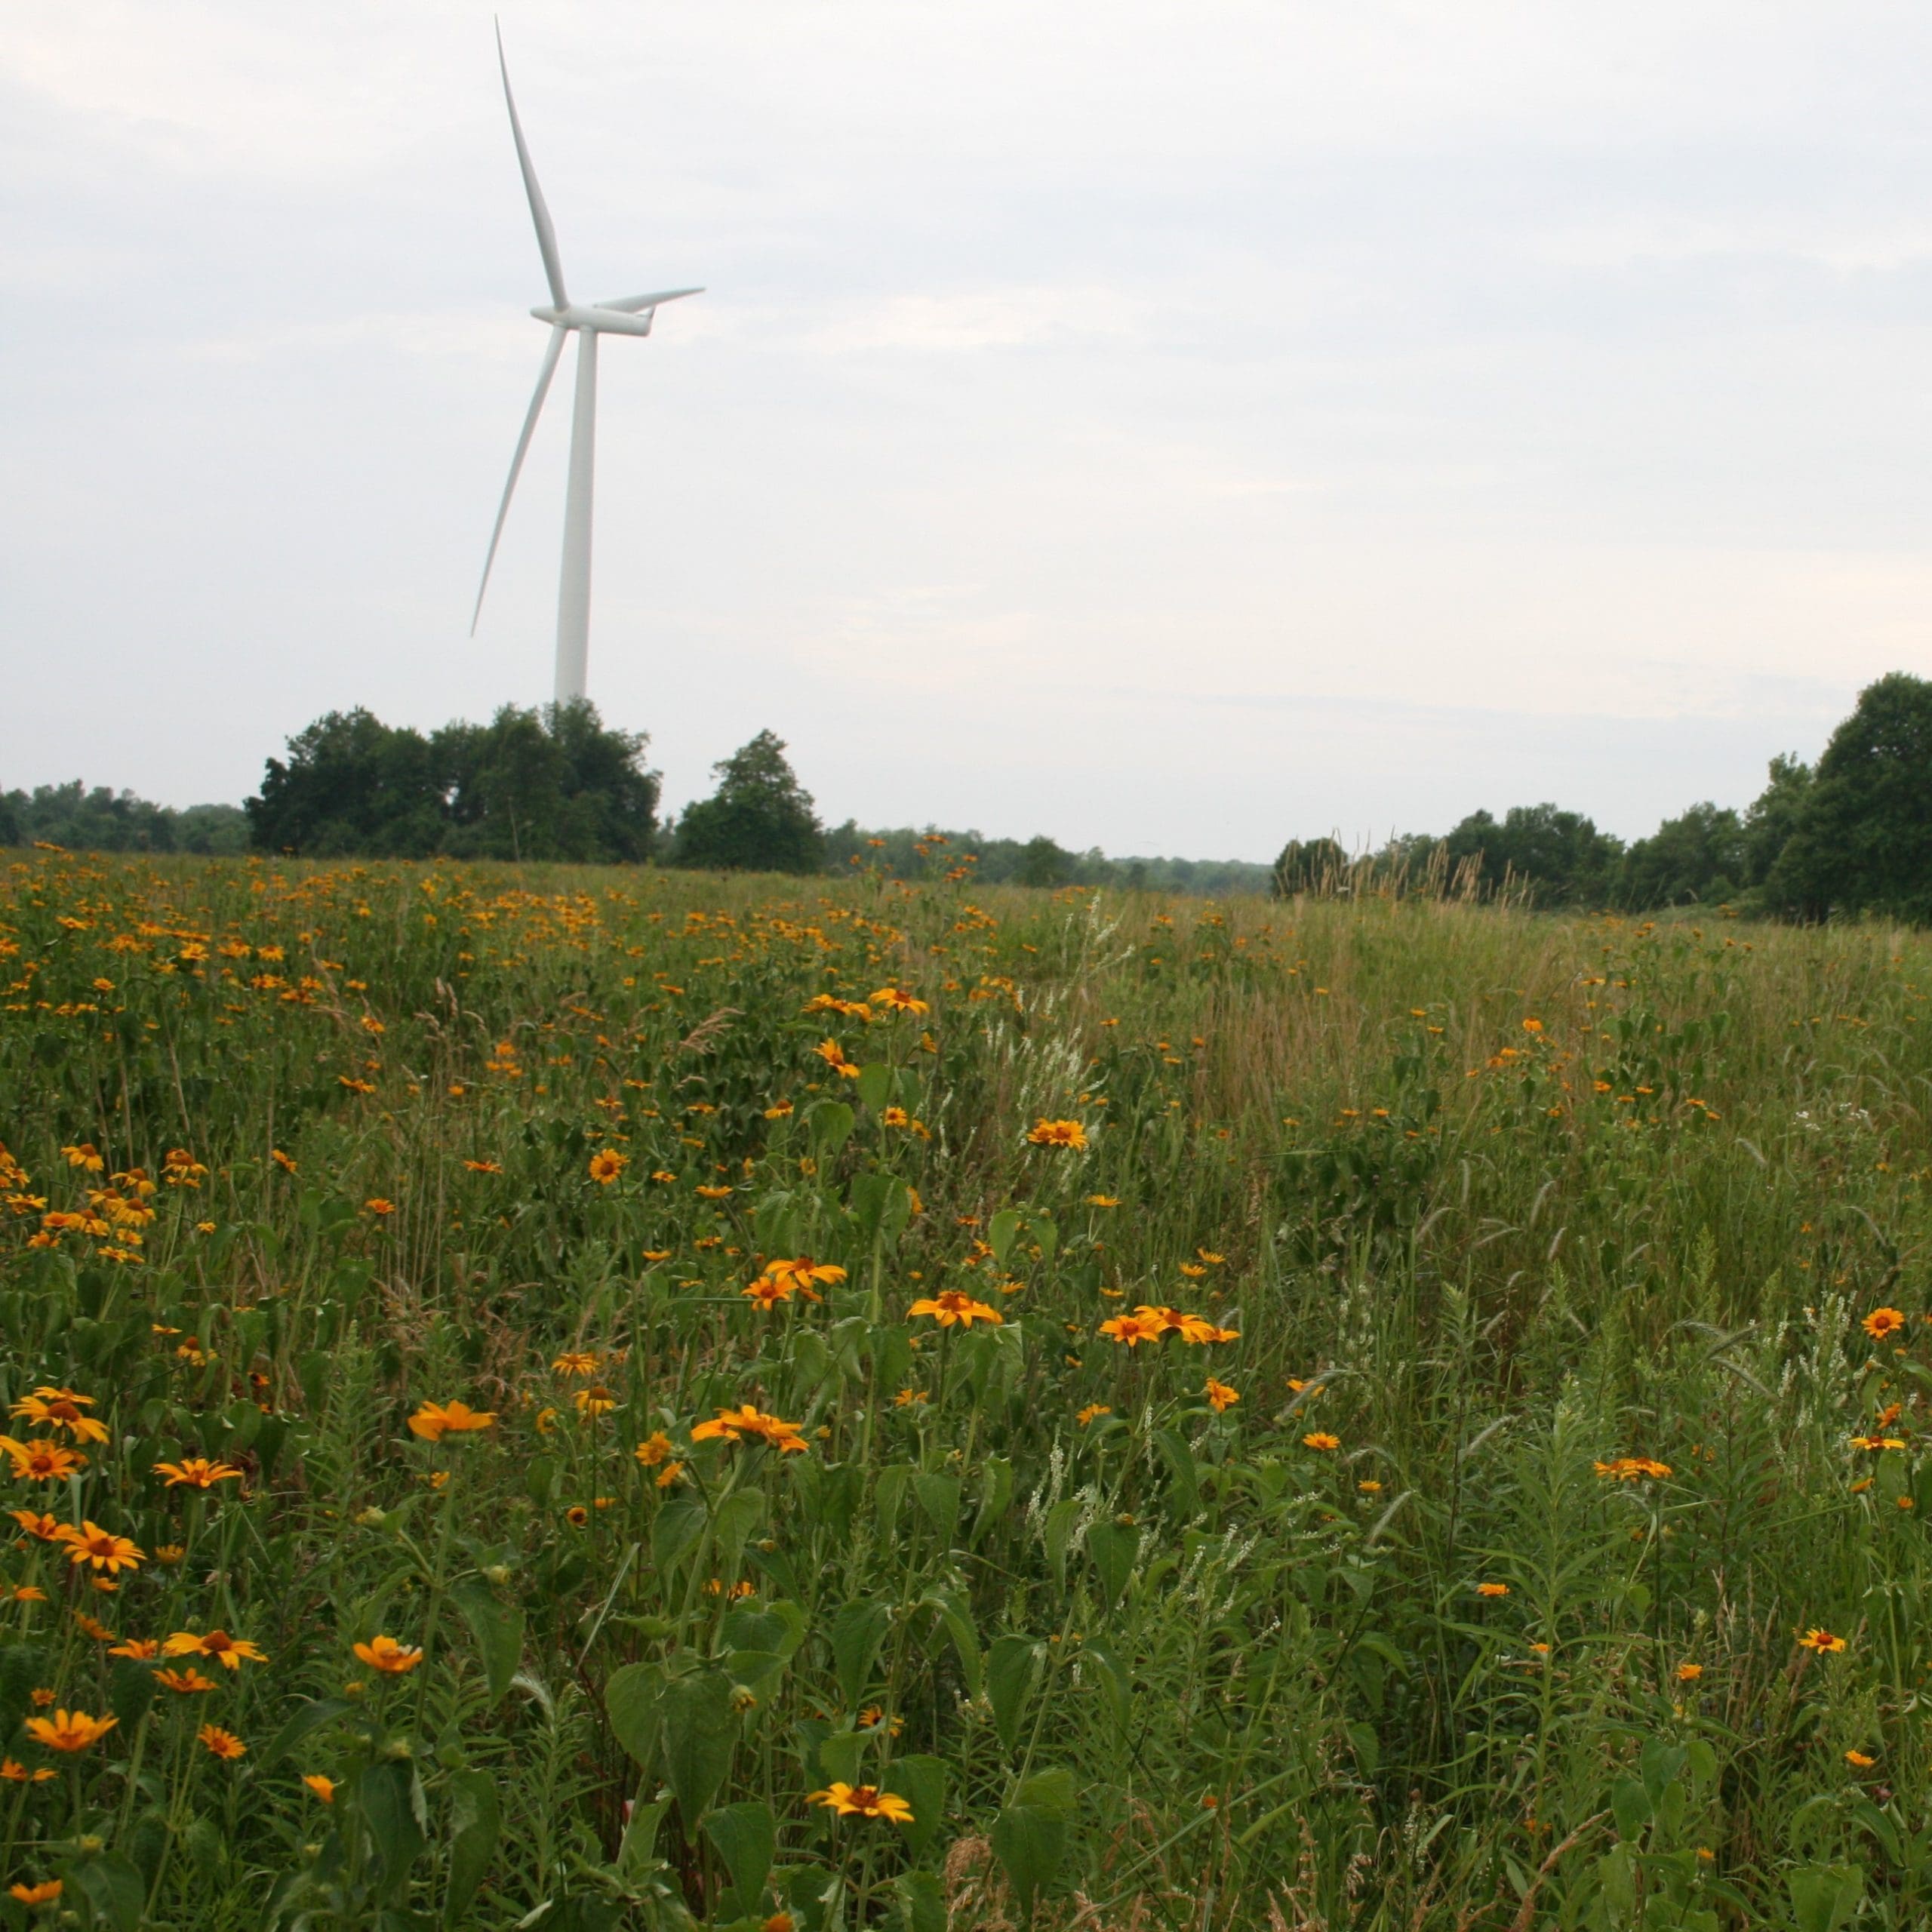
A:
1172, 427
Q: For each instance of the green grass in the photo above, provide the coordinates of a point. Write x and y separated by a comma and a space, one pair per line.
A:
1489, 1199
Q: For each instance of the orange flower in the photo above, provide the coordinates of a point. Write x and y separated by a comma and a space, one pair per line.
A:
1322, 1440
385, 1654
896, 1001
653, 1450
1859, 1761
1822, 1642
1881, 1322
767, 1292
60, 1408
577, 1361
223, 1744
69, 1730
1219, 1395
434, 1420
90, 1543
197, 1472
483, 1167
735, 1425
41, 1462
379, 1208
606, 1165
184, 1683
142, 1649
1629, 1468
1058, 1133
863, 1801
1091, 1413
804, 1273
1133, 1329
323, 1787
226, 1650
36, 1523
14, 1772
1492, 1589
45, 1893
1689, 1673
951, 1305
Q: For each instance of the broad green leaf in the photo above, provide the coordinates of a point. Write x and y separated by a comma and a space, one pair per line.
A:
732, 1523
746, 1836
700, 1732
498, 1629
385, 1797
1012, 1664
876, 1085
921, 1901
858, 1631
130, 1692
939, 1497
1824, 1896
1001, 1231
921, 1780
960, 1628
630, 1704
475, 1825
310, 1717
1115, 1547
1031, 1835
113, 1888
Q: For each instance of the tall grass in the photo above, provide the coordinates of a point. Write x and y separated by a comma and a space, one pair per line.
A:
1461, 1583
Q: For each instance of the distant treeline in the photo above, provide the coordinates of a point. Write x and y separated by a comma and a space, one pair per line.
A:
1852, 834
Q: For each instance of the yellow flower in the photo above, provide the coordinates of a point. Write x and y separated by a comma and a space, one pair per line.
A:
575, 1361
1492, 1589
1058, 1133
90, 1543
323, 1787
1219, 1395
1689, 1673
379, 1208
45, 1893
653, 1450
69, 1730
862, 1801
606, 1163
1133, 1329
1859, 1761
1321, 1439
1881, 1322
594, 1401
1091, 1413
184, 1683
224, 1650
385, 1654
14, 1772
434, 1420
1822, 1641
196, 1472
41, 1462
60, 1408
735, 1425
1103, 1201
223, 1744
952, 1305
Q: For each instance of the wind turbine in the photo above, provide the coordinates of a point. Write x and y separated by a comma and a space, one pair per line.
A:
631, 316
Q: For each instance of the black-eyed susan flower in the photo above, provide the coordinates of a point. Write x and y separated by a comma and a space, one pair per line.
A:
863, 1801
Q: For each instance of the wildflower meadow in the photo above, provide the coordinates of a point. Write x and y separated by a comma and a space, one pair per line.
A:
592, 1399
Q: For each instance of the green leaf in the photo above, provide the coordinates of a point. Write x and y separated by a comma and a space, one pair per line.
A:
876, 1085
1030, 1836
310, 1718
939, 1497
1001, 1231
700, 1732
1661, 1765
921, 1901
732, 1523
638, 1853
476, 1823
960, 1628
746, 1836
679, 1524
130, 1692
630, 1703
858, 1631
921, 1781
831, 1122
114, 1889
995, 1496
498, 1629
1631, 1803
1011, 1666
385, 1795
1823, 1896
1115, 1547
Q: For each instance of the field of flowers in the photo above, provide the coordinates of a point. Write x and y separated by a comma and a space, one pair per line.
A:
591, 1400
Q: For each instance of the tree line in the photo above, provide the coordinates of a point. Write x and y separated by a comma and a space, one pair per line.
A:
1852, 834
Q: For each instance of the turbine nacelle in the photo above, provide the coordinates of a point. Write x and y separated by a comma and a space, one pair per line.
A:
631, 316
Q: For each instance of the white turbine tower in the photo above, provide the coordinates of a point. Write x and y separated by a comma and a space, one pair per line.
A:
630, 316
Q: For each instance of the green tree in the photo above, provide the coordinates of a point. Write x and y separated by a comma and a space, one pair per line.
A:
1774, 817
1043, 861
1309, 865
760, 819
352, 785
557, 784
1561, 856
1862, 838
1698, 857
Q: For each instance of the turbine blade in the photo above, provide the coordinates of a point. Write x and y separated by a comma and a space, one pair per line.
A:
631, 304
546, 234
543, 375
